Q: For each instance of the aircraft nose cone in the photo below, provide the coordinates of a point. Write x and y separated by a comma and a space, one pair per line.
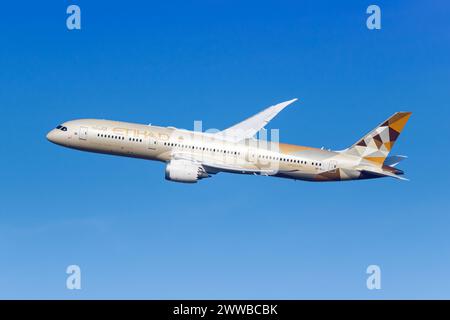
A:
52, 136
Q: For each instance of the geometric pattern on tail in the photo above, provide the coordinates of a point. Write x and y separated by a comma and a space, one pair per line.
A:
376, 145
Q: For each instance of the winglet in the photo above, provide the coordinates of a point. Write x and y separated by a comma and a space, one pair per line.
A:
289, 101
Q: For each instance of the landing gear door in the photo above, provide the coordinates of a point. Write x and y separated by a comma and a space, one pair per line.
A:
83, 133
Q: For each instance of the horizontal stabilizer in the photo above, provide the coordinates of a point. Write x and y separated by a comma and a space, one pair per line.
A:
392, 161
379, 172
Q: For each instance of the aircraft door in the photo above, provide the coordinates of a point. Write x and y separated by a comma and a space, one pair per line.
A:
251, 153
83, 133
152, 143
332, 165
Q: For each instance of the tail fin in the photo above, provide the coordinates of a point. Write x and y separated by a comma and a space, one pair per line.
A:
376, 145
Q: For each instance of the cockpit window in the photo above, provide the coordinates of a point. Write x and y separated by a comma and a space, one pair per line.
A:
60, 127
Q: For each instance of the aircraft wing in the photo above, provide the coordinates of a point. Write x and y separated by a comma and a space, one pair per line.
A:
214, 167
249, 127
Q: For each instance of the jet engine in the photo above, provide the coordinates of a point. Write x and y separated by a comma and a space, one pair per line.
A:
185, 171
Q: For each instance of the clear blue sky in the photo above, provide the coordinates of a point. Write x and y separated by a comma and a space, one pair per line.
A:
135, 235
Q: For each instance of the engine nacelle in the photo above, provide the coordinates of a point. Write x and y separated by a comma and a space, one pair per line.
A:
185, 171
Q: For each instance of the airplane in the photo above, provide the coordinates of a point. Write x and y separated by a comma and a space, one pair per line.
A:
191, 156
